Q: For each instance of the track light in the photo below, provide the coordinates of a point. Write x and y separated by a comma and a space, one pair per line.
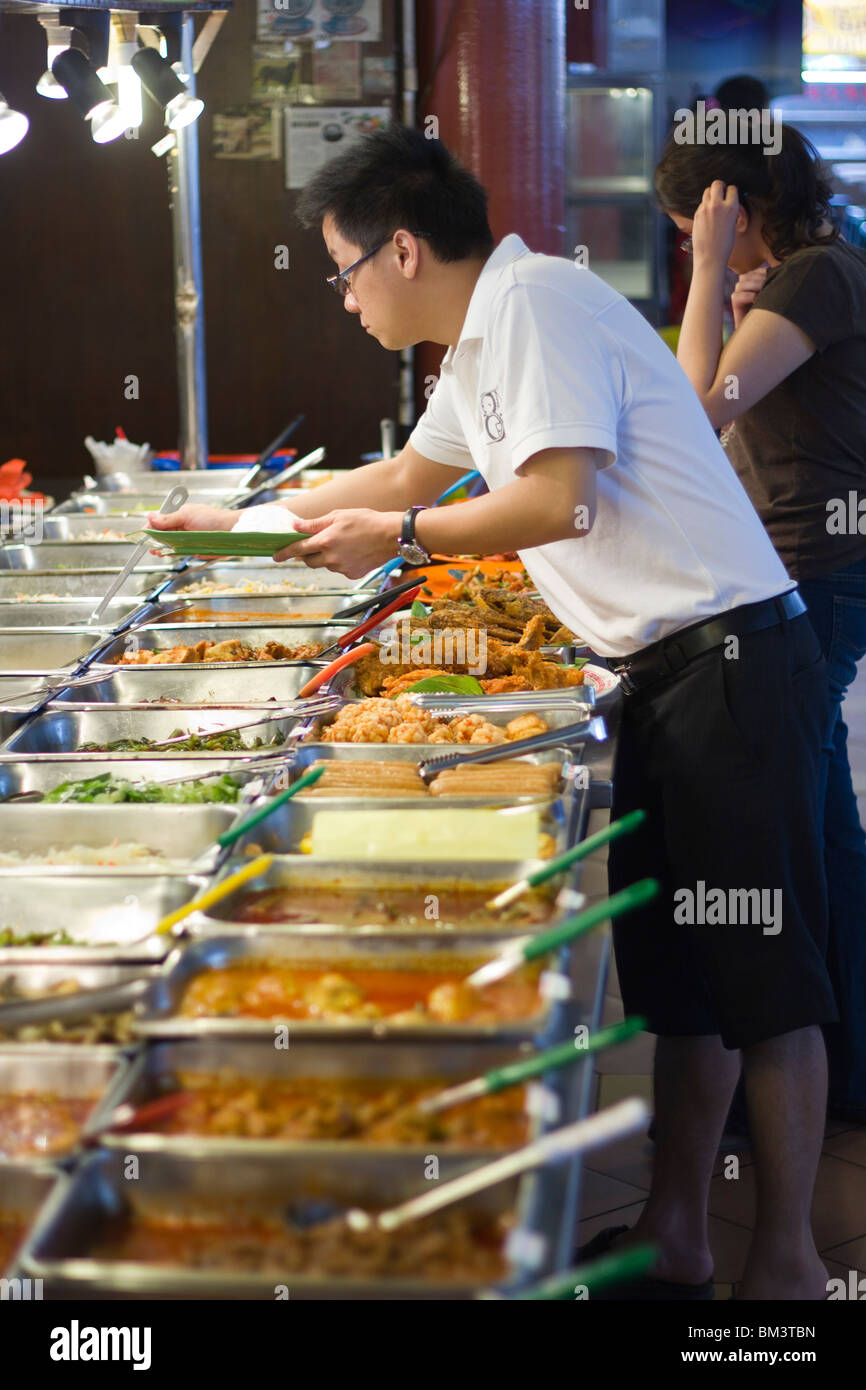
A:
166, 88
90, 96
13, 126
59, 39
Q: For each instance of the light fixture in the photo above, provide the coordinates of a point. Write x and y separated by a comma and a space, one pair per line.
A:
840, 76
129, 96
90, 95
13, 126
166, 88
59, 38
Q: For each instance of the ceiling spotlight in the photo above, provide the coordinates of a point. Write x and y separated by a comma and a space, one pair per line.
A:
90, 96
59, 39
166, 88
13, 126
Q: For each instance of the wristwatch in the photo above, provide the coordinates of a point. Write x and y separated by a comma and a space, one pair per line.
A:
407, 546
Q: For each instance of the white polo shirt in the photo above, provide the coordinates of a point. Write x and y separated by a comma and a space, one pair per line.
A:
551, 357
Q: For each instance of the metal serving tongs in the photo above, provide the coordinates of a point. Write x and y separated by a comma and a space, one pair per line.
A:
240, 501
455, 705
304, 709
173, 501
496, 752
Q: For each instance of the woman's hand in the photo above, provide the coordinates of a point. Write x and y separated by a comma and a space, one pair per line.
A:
351, 541
193, 516
715, 225
745, 290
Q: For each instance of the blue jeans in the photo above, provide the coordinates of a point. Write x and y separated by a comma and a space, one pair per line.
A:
837, 609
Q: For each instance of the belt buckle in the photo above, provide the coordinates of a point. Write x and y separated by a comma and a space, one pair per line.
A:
626, 683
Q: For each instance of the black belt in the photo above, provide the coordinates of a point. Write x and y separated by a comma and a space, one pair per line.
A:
672, 654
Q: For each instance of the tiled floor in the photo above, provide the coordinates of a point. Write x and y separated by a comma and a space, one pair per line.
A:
618, 1177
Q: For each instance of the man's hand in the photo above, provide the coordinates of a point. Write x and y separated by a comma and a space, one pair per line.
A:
714, 226
193, 516
745, 290
350, 541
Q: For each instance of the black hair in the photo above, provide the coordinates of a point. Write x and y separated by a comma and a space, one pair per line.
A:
789, 191
742, 93
395, 177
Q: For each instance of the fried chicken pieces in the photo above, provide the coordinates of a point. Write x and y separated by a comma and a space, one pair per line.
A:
399, 721
230, 650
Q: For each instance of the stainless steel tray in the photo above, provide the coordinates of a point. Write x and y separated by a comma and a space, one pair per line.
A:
60, 555
63, 612
44, 774
23, 1189
17, 586
158, 1016
311, 734
252, 683
581, 696
427, 877
77, 527
111, 918
284, 830
86, 1201
37, 979
46, 649
62, 730
278, 608
308, 753
154, 1068
157, 638
230, 573
104, 501
81, 1074
183, 834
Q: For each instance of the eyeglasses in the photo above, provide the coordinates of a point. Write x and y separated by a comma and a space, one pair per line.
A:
340, 283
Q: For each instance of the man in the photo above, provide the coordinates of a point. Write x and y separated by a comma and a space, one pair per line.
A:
605, 475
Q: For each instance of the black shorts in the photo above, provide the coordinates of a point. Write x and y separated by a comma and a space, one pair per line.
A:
725, 760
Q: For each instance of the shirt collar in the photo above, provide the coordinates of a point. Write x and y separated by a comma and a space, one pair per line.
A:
509, 249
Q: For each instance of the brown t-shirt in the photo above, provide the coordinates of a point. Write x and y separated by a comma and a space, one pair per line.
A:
804, 444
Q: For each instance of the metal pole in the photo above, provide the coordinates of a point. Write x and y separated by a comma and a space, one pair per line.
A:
183, 180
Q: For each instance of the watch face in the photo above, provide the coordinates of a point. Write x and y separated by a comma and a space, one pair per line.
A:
413, 553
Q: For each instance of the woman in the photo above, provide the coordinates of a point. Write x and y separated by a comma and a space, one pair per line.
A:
789, 387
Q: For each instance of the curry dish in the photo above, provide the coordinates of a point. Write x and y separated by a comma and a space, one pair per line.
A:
358, 995
37, 1124
364, 1110
410, 906
452, 1245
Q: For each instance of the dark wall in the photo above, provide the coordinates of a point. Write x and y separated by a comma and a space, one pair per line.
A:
86, 294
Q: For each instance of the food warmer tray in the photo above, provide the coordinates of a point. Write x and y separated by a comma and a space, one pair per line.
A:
57, 1249
42, 650
184, 834
62, 729
64, 612
230, 573
41, 774
157, 1015
153, 1068
166, 635
112, 918
80, 583
58, 555
263, 683
61, 1071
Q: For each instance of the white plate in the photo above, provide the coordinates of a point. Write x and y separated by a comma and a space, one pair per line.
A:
603, 682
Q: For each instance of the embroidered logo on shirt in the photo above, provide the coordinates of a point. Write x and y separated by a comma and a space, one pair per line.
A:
492, 412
